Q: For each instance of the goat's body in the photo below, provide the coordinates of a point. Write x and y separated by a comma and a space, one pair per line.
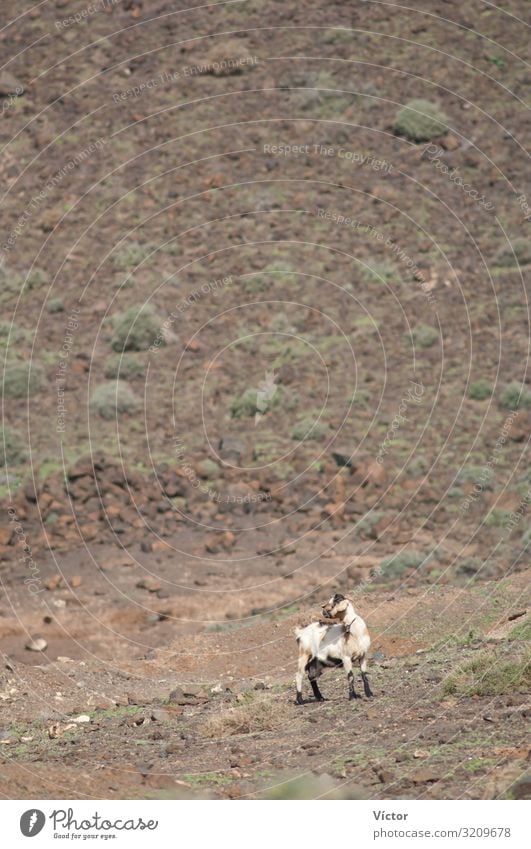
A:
322, 646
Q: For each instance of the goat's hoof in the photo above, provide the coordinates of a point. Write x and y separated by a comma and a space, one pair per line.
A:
353, 696
370, 695
299, 700
320, 699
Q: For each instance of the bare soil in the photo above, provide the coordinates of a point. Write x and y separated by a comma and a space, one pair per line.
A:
235, 168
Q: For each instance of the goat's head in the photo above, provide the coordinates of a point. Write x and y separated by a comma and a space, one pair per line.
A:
335, 607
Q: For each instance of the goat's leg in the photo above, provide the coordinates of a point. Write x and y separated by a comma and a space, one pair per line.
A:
366, 686
303, 660
347, 665
314, 670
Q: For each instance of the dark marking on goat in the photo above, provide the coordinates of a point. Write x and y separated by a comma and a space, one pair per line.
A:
366, 687
331, 662
351, 691
316, 691
299, 700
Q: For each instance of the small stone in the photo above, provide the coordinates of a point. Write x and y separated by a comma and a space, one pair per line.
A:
173, 747
37, 644
424, 776
450, 142
150, 584
83, 717
421, 753
10, 85
160, 715
75, 581
193, 346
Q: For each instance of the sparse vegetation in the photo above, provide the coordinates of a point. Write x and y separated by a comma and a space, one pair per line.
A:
469, 567
384, 271
366, 526
489, 675
136, 329
515, 396
497, 518
112, 399
55, 305
393, 567
309, 428
420, 120
262, 715
476, 474
35, 279
248, 403
424, 335
131, 255
124, 366
480, 389
11, 447
517, 253
21, 380
522, 631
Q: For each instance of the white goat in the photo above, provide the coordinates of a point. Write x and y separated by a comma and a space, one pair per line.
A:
322, 645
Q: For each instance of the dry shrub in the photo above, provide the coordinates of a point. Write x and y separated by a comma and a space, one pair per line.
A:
263, 715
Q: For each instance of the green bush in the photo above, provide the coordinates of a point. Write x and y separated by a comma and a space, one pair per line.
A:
393, 567
488, 675
480, 389
469, 567
131, 255
520, 254
383, 271
111, 399
21, 380
420, 120
15, 334
366, 526
209, 469
497, 518
476, 474
424, 335
11, 447
515, 396
522, 631
136, 329
55, 305
418, 466
309, 428
124, 367
245, 405
35, 279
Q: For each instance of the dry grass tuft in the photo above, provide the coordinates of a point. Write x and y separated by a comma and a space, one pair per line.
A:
263, 715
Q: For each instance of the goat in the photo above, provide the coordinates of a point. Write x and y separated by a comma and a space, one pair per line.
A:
323, 645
